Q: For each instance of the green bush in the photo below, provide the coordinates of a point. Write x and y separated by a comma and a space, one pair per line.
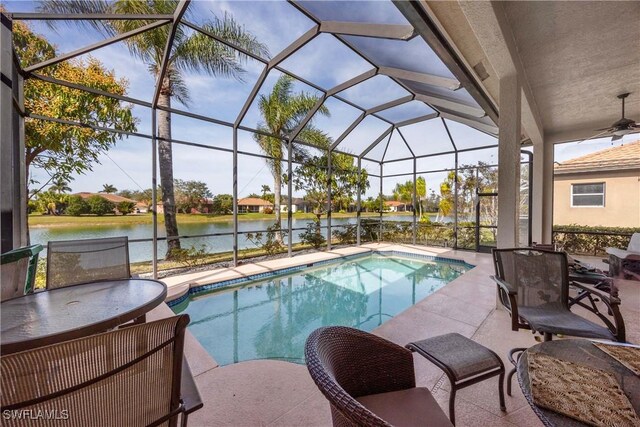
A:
585, 240
125, 207
98, 205
313, 235
77, 206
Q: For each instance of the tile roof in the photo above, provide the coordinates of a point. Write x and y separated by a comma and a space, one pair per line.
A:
395, 203
253, 201
113, 198
625, 156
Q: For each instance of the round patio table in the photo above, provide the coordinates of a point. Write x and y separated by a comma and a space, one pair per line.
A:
582, 352
62, 314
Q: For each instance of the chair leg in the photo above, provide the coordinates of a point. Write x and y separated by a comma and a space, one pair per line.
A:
509, 376
548, 336
501, 391
452, 405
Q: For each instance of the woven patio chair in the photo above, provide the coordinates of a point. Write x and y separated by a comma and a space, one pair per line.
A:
72, 262
533, 285
368, 380
18, 272
126, 377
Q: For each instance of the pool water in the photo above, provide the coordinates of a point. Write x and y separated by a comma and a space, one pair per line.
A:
272, 318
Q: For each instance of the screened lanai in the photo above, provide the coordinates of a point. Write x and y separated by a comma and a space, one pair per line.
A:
389, 93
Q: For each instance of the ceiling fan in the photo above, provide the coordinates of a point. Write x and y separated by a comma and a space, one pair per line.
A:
620, 128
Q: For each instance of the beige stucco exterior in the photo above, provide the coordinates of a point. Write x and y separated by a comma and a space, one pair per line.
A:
621, 205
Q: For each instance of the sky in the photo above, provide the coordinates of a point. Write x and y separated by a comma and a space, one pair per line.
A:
325, 62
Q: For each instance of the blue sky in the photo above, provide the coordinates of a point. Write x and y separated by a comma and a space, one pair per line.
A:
324, 61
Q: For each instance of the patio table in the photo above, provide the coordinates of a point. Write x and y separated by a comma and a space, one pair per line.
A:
63, 314
583, 352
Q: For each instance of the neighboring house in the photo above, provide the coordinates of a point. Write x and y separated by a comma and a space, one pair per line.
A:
395, 206
115, 199
253, 205
298, 204
599, 189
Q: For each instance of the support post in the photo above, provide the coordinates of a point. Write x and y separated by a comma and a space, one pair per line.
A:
358, 203
235, 196
415, 199
330, 207
381, 205
154, 190
509, 124
455, 204
13, 185
542, 195
289, 201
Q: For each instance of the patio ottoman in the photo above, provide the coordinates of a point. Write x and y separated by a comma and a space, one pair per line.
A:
464, 361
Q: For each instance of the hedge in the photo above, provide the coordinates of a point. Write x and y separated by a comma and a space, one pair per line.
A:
584, 240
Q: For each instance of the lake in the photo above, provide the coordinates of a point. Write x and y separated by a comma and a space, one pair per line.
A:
143, 251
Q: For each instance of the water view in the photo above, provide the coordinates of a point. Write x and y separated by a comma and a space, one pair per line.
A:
142, 251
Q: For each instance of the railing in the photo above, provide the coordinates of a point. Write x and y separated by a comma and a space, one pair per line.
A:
588, 242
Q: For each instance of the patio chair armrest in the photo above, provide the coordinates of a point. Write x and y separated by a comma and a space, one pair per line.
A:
616, 327
505, 286
189, 393
604, 296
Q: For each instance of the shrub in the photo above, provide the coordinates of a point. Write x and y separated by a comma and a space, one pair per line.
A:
267, 210
313, 235
271, 245
99, 205
77, 206
125, 207
190, 257
585, 240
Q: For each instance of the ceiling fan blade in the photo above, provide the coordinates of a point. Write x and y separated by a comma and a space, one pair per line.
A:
598, 130
595, 136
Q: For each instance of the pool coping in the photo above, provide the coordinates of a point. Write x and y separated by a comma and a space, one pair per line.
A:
176, 299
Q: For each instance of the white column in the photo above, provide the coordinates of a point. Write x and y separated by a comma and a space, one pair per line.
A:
509, 124
542, 200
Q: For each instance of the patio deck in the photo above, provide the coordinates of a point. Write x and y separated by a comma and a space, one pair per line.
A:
275, 393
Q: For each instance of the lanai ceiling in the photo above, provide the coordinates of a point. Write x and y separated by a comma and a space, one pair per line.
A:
573, 58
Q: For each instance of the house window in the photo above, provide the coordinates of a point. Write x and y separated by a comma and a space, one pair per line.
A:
587, 195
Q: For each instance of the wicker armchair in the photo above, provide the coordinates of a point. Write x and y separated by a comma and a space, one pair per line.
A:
127, 377
368, 380
71, 262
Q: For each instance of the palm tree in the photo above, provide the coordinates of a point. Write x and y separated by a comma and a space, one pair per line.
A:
282, 111
192, 51
108, 188
265, 190
60, 186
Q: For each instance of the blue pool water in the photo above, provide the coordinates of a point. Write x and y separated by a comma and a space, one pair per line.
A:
272, 318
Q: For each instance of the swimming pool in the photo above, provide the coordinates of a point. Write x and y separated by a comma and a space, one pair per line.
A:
271, 318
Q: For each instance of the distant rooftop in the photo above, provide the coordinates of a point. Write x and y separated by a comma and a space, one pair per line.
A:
253, 201
625, 156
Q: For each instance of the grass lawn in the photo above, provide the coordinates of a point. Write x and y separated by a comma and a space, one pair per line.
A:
37, 220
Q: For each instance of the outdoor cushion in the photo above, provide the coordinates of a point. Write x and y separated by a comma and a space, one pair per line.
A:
410, 407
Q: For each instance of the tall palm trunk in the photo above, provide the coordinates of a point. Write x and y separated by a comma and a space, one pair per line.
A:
165, 156
277, 195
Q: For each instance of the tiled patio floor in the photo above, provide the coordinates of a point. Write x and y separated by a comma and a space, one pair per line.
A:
274, 393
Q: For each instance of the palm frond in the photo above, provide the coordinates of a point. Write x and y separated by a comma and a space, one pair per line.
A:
79, 7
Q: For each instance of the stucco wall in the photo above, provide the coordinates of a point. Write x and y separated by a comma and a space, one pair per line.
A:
622, 200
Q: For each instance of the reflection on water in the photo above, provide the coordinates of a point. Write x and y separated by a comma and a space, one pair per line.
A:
143, 251
272, 319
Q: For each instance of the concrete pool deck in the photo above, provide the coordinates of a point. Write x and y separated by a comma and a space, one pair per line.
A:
275, 393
